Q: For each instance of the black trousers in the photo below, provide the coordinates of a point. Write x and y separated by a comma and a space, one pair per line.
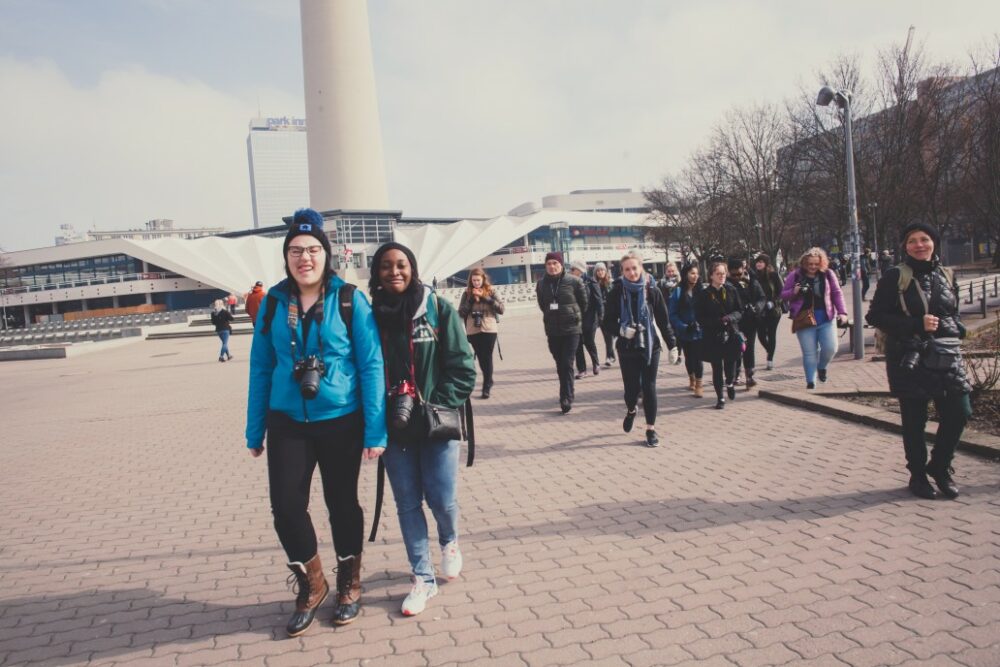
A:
609, 343
638, 376
483, 344
767, 331
294, 449
953, 413
587, 340
725, 359
749, 331
563, 350
693, 354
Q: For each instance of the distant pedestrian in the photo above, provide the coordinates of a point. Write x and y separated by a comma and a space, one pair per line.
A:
815, 303
428, 361
231, 300
481, 307
593, 316
916, 305
767, 325
684, 321
639, 311
671, 278
719, 310
253, 300
222, 319
562, 299
317, 390
603, 278
752, 300
885, 262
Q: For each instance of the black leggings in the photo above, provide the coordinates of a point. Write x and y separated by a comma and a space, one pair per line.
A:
724, 364
609, 344
637, 376
693, 353
587, 341
483, 344
953, 413
749, 356
768, 334
293, 451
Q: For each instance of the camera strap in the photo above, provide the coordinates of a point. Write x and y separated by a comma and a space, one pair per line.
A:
294, 314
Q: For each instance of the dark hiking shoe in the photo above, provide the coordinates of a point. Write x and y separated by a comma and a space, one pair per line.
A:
920, 487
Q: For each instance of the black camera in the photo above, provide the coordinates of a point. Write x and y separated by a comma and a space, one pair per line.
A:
477, 318
307, 372
401, 404
911, 355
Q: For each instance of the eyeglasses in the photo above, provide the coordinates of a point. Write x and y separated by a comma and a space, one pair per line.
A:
297, 250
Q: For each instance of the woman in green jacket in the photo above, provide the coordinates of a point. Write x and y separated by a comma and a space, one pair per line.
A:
427, 358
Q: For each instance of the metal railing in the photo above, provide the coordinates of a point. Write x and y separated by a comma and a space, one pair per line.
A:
85, 282
983, 285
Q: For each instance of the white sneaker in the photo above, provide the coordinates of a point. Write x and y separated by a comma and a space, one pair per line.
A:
416, 601
770, 365
451, 560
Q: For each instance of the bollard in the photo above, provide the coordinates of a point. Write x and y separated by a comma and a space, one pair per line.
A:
995, 286
971, 292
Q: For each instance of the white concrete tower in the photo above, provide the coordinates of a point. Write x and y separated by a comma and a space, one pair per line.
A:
344, 141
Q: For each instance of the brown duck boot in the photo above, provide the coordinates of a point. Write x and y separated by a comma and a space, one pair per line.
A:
313, 590
348, 589
698, 392
691, 381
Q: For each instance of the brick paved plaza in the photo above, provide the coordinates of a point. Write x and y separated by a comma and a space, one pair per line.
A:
135, 529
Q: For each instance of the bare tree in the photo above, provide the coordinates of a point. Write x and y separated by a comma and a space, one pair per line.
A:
981, 191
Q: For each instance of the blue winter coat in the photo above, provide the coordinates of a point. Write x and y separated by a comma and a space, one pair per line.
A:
354, 377
682, 316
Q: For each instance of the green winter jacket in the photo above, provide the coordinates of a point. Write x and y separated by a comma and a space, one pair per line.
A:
443, 364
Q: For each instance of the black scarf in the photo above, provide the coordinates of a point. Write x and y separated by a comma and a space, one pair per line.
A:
396, 311
920, 266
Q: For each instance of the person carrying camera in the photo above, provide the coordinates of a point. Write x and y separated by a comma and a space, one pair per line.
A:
317, 390
482, 305
815, 302
638, 309
753, 300
428, 361
685, 324
592, 318
916, 306
718, 310
562, 300
767, 324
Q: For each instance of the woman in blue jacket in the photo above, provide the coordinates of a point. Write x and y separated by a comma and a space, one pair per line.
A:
317, 390
685, 324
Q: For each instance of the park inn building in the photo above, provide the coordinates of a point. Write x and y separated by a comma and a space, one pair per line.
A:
120, 275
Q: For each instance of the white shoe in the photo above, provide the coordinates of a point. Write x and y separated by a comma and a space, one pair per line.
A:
416, 601
451, 560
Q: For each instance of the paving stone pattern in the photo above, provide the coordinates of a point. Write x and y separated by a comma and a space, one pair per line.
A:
135, 529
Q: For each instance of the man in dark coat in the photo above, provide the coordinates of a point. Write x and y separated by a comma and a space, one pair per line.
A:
592, 317
752, 301
563, 301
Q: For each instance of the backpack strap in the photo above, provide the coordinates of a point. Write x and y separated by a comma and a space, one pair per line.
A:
270, 307
346, 297
379, 494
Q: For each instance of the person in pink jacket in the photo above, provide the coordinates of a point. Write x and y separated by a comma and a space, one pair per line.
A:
815, 286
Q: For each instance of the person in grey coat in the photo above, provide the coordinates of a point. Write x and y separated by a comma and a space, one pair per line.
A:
563, 301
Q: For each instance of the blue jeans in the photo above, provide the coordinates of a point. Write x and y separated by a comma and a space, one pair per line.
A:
818, 344
425, 471
224, 337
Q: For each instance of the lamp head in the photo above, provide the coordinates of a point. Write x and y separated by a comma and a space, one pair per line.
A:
825, 96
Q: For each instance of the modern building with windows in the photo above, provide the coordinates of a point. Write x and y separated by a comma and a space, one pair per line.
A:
279, 168
123, 275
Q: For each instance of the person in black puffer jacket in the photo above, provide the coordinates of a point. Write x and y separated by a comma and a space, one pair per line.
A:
718, 310
925, 314
563, 301
753, 301
592, 317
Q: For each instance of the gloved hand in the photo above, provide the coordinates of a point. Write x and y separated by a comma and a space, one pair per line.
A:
770, 305
674, 355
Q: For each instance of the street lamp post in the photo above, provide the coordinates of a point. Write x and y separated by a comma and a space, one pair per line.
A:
843, 101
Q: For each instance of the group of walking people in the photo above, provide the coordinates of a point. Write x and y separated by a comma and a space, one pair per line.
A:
336, 379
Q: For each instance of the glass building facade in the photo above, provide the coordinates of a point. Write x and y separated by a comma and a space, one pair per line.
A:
279, 168
73, 271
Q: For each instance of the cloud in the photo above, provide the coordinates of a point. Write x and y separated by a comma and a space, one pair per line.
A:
133, 147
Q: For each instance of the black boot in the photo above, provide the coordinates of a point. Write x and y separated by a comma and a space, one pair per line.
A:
944, 481
313, 590
731, 392
720, 403
920, 487
348, 589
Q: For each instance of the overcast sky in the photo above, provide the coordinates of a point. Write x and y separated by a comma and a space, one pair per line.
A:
114, 112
